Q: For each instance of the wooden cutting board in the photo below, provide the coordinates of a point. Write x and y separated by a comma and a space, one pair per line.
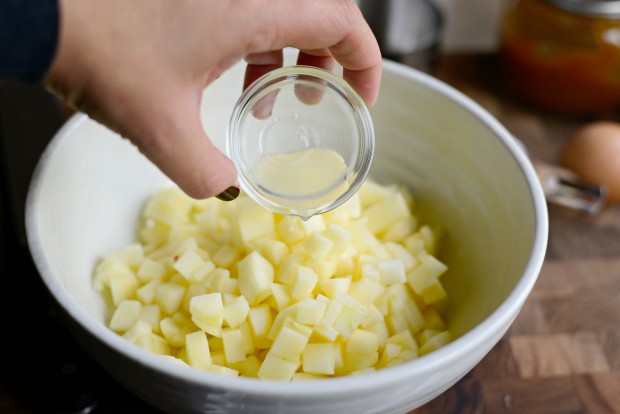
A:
562, 354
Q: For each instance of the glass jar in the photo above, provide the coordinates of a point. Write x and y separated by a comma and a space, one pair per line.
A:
302, 141
563, 55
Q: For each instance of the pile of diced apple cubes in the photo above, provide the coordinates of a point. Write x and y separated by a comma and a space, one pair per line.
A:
232, 288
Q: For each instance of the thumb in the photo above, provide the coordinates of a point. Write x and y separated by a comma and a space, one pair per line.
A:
179, 146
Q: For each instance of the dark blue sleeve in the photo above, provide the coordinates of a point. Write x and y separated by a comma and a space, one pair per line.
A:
28, 38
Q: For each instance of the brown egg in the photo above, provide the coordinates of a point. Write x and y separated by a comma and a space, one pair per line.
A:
593, 153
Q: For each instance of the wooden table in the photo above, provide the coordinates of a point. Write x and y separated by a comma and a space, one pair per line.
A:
562, 355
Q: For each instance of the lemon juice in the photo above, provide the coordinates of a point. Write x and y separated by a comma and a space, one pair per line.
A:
305, 181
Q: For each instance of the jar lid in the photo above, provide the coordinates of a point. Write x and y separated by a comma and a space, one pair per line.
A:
594, 8
302, 141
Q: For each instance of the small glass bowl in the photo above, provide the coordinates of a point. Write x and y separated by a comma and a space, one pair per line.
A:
302, 141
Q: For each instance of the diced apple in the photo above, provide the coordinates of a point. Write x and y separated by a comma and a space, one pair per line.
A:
400, 229
274, 368
197, 348
398, 251
280, 319
248, 367
428, 268
170, 206
123, 285
203, 272
324, 268
260, 321
386, 212
366, 291
246, 338
372, 192
433, 320
348, 321
194, 289
435, 342
222, 370
405, 340
280, 298
236, 311
313, 224
396, 322
253, 221
255, 277
346, 266
310, 311
362, 342
132, 255
174, 360
208, 312
173, 332
289, 344
380, 329
343, 293
290, 229
318, 358
188, 263
226, 256
233, 345
361, 237
318, 246
349, 210
216, 280
432, 291
325, 333
415, 319
159, 346
138, 330
151, 314
273, 250
125, 315
304, 283
357, 362
391, 271
341, 238
169, 297
151, 270
329, 287
146, 293
369, 271
153, 234
288, 268
388, 356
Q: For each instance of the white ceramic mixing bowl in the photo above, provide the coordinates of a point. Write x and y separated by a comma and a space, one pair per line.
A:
466, 173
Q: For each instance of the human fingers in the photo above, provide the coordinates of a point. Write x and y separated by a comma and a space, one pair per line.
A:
311, 94
260, 64
179, 146
335, 25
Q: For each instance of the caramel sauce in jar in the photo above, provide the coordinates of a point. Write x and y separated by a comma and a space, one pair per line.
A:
563, 55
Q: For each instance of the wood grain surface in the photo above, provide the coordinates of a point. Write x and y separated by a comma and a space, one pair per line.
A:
562, 354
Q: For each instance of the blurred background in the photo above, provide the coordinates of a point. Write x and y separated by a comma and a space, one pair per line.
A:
545, 69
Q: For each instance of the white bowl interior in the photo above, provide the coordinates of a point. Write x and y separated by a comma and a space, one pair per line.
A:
466, 172
466, 181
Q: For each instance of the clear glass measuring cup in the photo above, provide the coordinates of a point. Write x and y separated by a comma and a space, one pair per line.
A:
302, 141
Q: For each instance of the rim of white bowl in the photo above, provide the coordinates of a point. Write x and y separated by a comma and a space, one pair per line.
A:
500, 317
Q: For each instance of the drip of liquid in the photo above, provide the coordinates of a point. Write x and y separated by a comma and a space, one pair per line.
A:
304, 182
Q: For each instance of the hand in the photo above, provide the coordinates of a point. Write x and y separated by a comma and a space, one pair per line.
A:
140, 67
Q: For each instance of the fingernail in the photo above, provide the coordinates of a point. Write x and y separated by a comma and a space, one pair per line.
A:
229, 194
